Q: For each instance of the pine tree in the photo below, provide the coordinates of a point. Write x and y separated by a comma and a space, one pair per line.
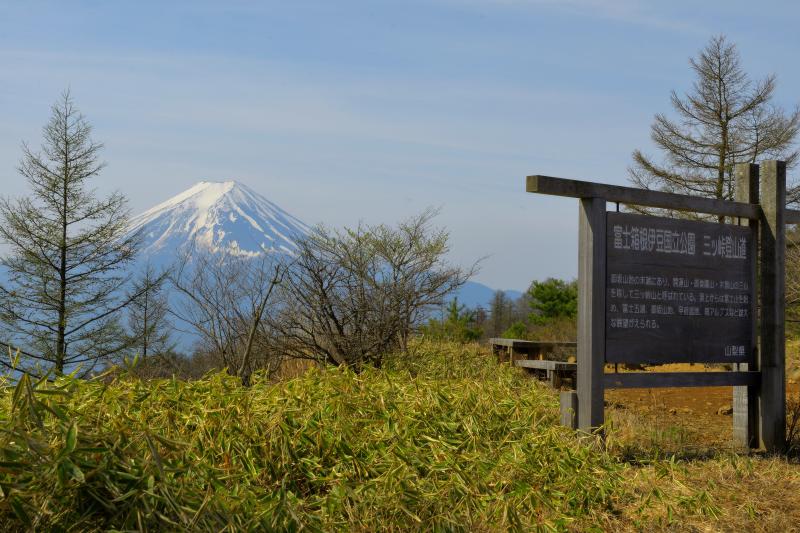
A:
725, 119
68, 252
552, 298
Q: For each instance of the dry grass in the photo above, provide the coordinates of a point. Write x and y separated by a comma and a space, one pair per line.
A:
637, 437
793, 360
681, 475
293, 368
793, 422
723, 493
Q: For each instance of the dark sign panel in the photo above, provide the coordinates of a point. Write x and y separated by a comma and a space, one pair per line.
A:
678, 291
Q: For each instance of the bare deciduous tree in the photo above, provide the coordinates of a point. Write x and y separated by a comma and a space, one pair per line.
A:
501, 314
225, 300
69, 252
725, 119
412, 258
351, 296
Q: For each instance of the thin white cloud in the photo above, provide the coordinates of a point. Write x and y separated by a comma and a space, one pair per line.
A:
261, 97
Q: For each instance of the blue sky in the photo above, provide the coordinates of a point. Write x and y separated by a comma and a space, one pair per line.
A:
346, 111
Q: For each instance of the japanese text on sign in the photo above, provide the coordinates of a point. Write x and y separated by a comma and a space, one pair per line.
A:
678, 290
666, 241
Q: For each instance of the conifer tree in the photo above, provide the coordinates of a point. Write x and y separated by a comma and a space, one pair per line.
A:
725, 119
66, 269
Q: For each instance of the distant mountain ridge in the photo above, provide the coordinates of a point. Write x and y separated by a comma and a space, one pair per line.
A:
474, 294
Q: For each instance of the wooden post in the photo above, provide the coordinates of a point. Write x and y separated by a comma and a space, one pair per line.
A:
745, 399
772, 402
568, 401
591, 312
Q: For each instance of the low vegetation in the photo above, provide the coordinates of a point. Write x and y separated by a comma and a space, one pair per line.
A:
440, 438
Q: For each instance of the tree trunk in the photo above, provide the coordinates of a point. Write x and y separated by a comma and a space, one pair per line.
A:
244, 373
145, 332
62, 268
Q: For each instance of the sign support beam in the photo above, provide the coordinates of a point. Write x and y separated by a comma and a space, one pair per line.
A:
591, 312
772, 355
745, 399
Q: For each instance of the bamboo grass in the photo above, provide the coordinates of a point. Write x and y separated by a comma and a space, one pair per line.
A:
442, 440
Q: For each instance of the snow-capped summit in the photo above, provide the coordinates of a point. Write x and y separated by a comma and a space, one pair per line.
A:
226, 217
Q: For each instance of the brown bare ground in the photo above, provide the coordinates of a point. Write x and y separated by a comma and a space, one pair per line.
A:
683, 474
696, 418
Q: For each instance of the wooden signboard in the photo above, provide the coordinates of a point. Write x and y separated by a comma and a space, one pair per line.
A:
678, 291
669, 290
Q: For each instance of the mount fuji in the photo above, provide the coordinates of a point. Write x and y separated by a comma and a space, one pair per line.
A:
222, 217
229, 217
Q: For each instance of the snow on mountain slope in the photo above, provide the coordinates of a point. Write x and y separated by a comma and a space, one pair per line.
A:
226, 217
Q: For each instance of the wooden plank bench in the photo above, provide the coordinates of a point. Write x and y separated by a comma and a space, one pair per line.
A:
509, 350
555, 372
530, 355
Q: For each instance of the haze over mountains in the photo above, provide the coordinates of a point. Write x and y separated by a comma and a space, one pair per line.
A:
231, 218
